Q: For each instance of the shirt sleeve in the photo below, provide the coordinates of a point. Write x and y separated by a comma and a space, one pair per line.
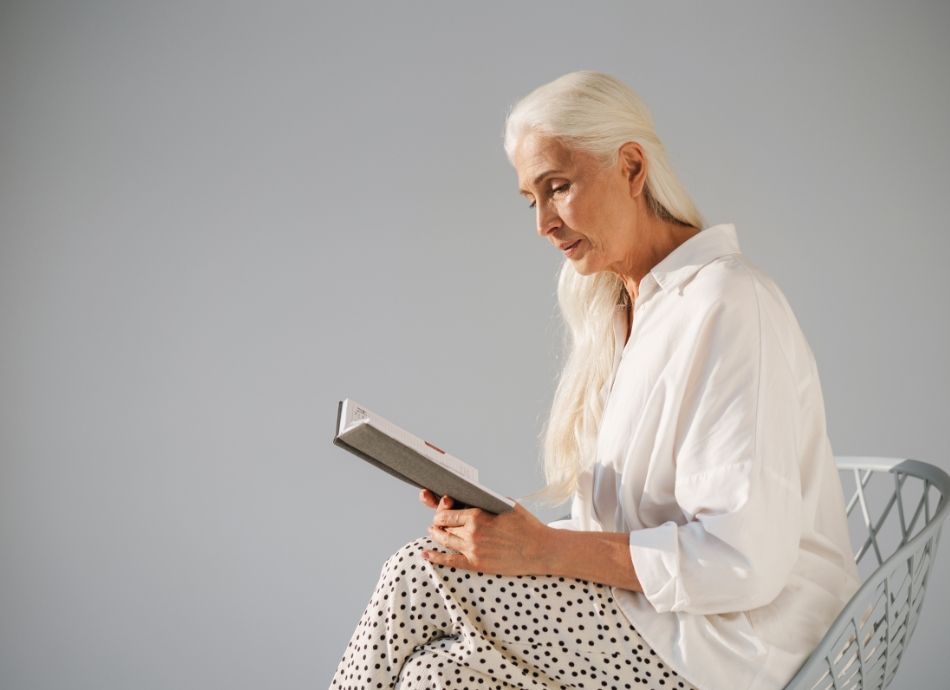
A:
570, 521
737, 479
565, 523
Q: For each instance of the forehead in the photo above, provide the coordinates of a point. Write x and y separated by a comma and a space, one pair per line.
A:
537, 154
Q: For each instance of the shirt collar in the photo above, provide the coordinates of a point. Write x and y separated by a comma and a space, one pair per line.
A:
700, 249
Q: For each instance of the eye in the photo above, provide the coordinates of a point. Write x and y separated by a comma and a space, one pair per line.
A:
560, 188
532, 204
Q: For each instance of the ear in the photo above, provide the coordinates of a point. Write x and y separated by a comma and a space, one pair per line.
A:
634, 166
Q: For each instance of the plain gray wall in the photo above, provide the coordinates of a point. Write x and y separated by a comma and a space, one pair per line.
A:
217, 219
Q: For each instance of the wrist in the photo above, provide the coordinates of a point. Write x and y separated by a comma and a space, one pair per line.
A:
548, 544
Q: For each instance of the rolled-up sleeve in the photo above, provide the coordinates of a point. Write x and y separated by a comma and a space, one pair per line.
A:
736, 471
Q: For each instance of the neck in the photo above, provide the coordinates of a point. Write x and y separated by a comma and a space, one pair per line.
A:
655, 240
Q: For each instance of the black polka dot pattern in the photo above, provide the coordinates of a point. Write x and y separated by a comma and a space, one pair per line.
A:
429, 626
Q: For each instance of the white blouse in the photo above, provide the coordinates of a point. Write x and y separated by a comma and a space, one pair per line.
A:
713, 455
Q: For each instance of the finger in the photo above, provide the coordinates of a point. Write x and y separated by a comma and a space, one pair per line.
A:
428, 498
447, 539
450, 518
437, 535
446, 503
451, 560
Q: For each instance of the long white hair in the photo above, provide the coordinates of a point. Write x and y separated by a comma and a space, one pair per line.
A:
596, 113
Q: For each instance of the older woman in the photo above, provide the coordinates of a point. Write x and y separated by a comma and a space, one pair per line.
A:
707, 545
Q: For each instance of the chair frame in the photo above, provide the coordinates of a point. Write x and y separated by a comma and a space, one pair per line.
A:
864, 645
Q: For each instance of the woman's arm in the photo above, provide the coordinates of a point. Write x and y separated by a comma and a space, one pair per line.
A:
517, 543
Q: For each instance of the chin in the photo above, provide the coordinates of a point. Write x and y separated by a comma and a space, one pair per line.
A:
584, 268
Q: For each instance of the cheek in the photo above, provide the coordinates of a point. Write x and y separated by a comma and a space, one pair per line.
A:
587, 216
573, 211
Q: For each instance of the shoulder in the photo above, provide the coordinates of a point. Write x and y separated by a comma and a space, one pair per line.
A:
734, 282
743, 302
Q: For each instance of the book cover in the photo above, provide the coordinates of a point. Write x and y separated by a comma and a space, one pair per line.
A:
413, 460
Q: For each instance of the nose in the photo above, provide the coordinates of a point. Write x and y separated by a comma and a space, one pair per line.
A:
548, 219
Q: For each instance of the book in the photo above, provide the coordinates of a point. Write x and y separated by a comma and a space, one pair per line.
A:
413, 460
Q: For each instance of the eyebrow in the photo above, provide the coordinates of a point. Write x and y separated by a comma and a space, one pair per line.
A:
539, 178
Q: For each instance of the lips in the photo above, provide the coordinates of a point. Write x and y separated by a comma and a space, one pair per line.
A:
568, 247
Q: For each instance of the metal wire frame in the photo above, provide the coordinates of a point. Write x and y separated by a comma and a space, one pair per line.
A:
863, 647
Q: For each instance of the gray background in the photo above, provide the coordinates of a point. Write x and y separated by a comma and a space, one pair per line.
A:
217, 219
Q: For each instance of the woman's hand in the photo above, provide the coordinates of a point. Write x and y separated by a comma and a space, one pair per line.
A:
507, 544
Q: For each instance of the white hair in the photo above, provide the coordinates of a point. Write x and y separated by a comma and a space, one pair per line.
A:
595, 113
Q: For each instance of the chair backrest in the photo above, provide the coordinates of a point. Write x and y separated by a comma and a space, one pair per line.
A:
903, 504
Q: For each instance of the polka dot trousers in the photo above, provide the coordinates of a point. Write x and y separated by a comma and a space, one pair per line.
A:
429, 626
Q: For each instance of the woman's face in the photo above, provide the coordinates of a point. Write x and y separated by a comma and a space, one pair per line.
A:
587, 211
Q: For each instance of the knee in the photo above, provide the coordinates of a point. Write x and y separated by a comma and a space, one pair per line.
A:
409, 557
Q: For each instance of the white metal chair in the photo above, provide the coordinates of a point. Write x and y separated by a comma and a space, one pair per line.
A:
864, 646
